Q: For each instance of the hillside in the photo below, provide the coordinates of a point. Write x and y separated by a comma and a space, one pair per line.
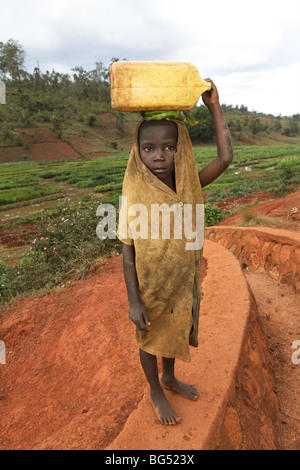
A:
83, 142
68, 385
61, 143
78, 112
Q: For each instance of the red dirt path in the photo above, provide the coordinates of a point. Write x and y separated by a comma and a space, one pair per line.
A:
62, 383
62, 388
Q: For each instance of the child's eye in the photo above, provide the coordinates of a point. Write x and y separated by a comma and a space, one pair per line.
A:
170, 147
147, 149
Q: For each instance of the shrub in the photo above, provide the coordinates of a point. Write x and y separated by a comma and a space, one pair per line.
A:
252, 219
204, 130
91, 120
85, 198
287, 171
66, 249
213, 215
8, 136
88, 183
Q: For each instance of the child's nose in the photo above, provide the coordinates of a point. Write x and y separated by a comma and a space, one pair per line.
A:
159, 155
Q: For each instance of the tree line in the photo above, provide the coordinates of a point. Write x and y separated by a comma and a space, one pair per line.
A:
82, 84
42, 96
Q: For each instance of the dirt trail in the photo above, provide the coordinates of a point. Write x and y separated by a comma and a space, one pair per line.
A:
66, 373
68, 384
279, 310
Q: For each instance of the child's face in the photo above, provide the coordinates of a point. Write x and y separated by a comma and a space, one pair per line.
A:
158, 145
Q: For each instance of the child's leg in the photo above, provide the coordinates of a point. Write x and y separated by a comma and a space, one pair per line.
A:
157, 397
171, 383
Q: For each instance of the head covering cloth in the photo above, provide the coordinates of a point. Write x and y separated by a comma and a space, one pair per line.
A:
168, 274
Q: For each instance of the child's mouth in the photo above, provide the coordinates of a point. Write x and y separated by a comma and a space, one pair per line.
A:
159, 170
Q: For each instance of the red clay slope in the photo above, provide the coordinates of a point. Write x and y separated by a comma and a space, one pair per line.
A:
41, 145
73, 376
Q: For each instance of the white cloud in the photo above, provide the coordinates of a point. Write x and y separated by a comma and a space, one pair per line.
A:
263, 91
247, 47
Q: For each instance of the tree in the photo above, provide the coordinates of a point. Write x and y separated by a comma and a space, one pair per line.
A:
277, 124
255, 126
12, 58
291, 129
100, 73
204, 130
119, 123
243, 109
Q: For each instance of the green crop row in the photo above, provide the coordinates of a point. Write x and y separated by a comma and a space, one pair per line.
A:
28, 180
10, 196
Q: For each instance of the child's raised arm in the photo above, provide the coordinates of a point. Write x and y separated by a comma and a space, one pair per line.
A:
137, 312
224, 147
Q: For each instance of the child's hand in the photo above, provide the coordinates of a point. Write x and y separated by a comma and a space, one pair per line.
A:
210, 97
139, 316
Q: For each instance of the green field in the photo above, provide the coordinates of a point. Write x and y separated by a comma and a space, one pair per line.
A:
66, 246
255, 169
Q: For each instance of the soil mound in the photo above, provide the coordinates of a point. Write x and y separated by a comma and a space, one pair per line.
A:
39, 145
285, 209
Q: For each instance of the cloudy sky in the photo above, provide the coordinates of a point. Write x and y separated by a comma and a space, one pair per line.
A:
250, 48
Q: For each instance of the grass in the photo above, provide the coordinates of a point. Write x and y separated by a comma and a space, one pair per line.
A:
27, 181
251, 219
275, 169
10, 196
68, 246
106, 174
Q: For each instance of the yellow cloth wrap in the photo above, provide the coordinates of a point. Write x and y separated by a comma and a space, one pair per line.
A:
168, 274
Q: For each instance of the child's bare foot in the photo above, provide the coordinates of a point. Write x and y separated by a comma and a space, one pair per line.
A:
163, 409
188, 391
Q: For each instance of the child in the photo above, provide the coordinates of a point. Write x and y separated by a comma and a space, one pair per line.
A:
163, 277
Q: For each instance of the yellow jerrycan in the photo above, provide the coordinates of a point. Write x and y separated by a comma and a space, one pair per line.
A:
151, 86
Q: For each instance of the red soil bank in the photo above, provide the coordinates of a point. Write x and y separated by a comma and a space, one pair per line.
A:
41, 145
73, 378
282, 207
237, 406
267, 250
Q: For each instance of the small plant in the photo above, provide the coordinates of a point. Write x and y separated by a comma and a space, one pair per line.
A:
56, 126
91, 120
252, 219
287, 173
213, 215
66, 248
